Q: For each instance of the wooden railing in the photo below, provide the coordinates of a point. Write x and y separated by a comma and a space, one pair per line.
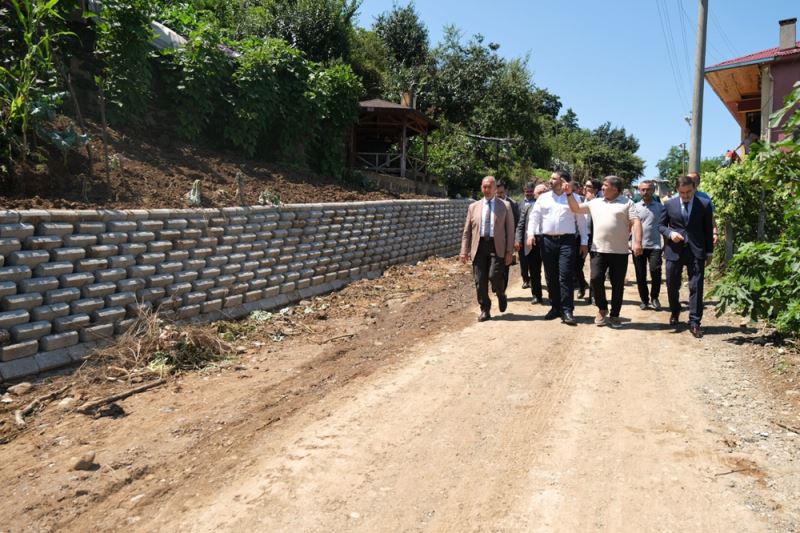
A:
390, 163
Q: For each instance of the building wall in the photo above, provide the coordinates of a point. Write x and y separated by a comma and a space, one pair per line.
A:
784, 75
71, 279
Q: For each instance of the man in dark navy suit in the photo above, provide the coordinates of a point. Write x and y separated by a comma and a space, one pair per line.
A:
688, 229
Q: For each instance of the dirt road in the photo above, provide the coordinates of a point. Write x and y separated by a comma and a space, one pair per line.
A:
515, 424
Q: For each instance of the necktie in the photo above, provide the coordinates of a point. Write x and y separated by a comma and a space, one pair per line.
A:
487, 220
685, 212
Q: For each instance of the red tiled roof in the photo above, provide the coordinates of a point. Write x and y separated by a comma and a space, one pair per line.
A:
758, 57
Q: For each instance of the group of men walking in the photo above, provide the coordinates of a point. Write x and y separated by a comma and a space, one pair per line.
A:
557, 225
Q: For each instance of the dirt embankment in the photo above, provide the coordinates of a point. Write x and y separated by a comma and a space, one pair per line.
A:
152, 170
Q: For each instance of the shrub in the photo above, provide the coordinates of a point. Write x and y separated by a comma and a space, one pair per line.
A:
124, 39
268, 98
197, 78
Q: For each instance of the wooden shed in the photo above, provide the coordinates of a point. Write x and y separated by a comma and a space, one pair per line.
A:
379, 142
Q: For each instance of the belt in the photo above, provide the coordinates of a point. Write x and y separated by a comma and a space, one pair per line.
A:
487, 238
556, 235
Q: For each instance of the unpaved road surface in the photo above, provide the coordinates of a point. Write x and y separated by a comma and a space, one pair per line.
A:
425, 420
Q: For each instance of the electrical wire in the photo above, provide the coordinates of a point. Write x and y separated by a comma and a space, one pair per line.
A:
672, 55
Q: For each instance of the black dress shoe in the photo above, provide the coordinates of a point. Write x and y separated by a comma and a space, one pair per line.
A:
536, 300
581, 293
526, 285
643, 306
673, 319
655, 304
484, 316
552, 314
696, 332
502, 301
568, 319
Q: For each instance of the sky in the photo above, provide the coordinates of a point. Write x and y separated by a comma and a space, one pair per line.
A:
629, 62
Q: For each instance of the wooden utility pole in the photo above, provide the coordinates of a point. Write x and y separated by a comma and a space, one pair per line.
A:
699, 79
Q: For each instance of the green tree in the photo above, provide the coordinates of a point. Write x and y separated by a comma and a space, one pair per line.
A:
370, 61
674, 164
404, 35
462, 75
320, 28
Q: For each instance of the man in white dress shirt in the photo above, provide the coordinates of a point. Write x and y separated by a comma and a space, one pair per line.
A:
552, 218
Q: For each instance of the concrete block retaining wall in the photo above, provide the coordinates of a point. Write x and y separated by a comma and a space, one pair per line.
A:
71, 279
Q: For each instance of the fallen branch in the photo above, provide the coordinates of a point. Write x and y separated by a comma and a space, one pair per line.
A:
346, 335
731, 472
788, 428
88, 407
20, 414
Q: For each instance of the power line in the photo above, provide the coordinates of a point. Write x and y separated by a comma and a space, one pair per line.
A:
725, 39
683, 23
670, 53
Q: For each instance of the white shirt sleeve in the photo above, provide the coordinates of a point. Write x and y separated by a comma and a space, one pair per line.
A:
580, 219
534, 219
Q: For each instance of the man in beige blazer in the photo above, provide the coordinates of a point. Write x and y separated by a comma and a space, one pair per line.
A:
488, 240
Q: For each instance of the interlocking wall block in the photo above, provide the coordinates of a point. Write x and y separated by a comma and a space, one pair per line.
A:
67, 254
91, 265
49, 312
120, 299
103, 251
211, 305
185, 276
15, 273
177, 255
150, 258
131, 284
92, 228
12, 318
169, 267
97, 333
112, 275
8, 245
150, 225
98, 290
62, 295
17, 231
141, 271
18, 350
53, 269
108, 315
192, 298
112, 237
58, 341
30, 331
7, 288
25, 302
28, 258
76, 279
86, 305
38, 284
71, 323
121, 226
159, 280
132, 248
150, 294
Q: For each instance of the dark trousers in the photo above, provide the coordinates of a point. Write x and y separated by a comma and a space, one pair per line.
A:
558, 257
651, 258
533, 262
486, 268
616, 265
523, 265
580, 260
695, 269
